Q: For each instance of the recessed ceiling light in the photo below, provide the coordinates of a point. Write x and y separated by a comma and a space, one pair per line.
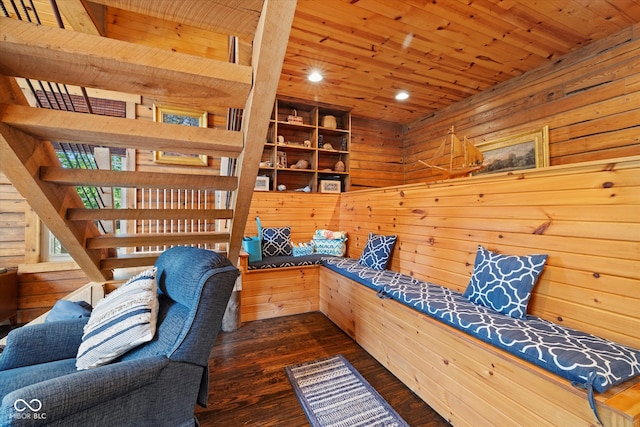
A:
315, 77
401, 96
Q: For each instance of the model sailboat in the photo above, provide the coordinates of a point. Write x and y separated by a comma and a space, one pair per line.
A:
465, 158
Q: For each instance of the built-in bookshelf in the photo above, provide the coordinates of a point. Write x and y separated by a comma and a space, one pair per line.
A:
307, 146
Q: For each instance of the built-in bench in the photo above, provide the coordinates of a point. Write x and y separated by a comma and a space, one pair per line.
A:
588, 362
279, 286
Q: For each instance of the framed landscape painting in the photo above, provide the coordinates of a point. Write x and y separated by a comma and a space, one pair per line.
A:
523, 151
183, 117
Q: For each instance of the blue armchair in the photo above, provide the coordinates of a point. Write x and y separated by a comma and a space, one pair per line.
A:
155, 384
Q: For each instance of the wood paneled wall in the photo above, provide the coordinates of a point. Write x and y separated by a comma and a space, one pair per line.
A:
590, 99
38, 292
274, 293
376, 158
304, 213
12, 224
585, 217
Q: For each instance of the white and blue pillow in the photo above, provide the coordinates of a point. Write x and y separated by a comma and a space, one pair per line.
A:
504, 282
121, 321
377, 252
276, 241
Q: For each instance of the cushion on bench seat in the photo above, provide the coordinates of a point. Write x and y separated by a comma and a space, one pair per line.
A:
586, 360
364, 275
286, 261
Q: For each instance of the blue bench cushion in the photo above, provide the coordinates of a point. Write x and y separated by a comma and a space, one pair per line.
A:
584, 359
286, 261
364, 275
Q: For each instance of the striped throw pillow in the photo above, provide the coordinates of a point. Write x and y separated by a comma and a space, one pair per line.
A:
122, 320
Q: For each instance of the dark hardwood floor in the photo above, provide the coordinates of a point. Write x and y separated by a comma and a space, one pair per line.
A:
248, 385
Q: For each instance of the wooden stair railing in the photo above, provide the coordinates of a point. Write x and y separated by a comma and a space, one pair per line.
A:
88, 60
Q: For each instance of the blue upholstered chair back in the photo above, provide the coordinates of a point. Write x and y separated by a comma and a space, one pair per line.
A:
194, 286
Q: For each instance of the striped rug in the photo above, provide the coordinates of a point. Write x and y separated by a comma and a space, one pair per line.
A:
333, 394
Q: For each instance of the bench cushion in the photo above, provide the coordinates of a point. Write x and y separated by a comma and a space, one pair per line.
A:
584, 359
286, 261
364, 275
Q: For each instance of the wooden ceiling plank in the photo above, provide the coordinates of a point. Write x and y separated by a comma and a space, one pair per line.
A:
62, 56
81, 214
135, 179
385, 60
66, 126
155, 239
269, 48
443, 39
234, 17
179, 37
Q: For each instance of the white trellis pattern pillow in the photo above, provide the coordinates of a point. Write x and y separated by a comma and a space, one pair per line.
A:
276, 241
378, 250
504, 282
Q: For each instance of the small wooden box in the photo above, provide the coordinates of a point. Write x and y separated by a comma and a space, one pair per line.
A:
330, 186
262, 183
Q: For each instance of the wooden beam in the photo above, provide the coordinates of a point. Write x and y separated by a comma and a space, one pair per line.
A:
268, 54
155, 239
81, 214
81, 17
233, 17
128, 261
133, 179
52, 54
22, 155
66, 126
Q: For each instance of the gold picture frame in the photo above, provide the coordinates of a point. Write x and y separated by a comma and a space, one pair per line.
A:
527, 150
185, 117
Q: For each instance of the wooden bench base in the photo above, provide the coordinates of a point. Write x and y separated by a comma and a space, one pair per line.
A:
467, 381
275, 292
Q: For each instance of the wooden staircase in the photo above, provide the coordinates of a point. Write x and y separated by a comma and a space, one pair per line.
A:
84, 58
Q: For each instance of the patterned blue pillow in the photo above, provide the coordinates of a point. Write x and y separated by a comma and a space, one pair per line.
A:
504, 282
377, 252
276, 241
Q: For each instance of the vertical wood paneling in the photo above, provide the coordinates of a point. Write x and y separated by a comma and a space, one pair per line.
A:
590, 99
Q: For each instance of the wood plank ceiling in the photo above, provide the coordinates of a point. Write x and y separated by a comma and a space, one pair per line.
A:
440, 51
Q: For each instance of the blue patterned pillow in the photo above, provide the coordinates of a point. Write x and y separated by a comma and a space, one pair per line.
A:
121, 321
377, 252
276, 241
503, 282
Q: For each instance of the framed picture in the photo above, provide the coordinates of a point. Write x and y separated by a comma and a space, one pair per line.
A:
523, 151
262, 183
179, 116
330, 186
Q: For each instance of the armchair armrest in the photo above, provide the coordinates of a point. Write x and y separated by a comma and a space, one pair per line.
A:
40, 343
63, 396
82, 390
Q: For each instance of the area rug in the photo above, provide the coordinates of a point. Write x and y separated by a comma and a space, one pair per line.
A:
333, 394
